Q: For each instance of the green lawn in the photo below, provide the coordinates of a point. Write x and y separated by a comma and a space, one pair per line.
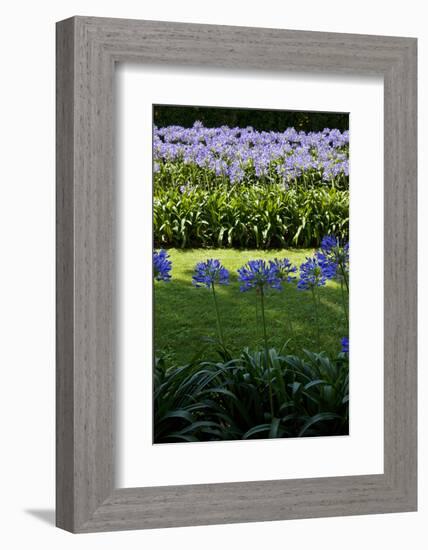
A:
185, 318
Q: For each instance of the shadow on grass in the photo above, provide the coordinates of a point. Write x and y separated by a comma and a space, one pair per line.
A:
185, 319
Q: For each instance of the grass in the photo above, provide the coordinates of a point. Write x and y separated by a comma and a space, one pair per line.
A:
185, 320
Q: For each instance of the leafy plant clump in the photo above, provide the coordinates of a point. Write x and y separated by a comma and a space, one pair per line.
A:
239, 216
253, 396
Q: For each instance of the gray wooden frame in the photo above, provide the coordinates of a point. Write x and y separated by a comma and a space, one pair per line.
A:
87, 50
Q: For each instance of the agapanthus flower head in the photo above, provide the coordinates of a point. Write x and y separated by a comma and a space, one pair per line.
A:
345, 344
328, 242
198, 124
161, 265
258, 274
311, 274
209, 273
333, 251
328, 265
284, 269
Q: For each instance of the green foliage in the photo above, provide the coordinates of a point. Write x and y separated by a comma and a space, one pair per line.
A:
275, 120
247, 216
229, 399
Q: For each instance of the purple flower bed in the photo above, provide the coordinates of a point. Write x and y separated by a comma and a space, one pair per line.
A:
239, 154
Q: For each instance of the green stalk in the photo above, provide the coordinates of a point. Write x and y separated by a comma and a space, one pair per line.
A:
316, 317
345, 277
262, 300
219, 328
345, 308
257, 316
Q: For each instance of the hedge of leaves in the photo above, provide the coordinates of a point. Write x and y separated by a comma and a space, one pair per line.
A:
234, 187
185, 115
248, 217
229, 399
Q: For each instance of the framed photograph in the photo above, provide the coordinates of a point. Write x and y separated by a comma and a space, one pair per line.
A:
236, 274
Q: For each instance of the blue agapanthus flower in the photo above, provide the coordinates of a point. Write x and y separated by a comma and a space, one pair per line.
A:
209, 273
161, 265
332, 246
328, 265
311, 274
345, 344
328, 243
333, 255
284, 269
259, 274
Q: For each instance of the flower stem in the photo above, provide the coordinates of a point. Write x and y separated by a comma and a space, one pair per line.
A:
345, 308
316, 318
219, 328
257, 316
262, 301
345, 277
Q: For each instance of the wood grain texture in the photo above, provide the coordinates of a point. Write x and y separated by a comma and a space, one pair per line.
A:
64, 277
87, 50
